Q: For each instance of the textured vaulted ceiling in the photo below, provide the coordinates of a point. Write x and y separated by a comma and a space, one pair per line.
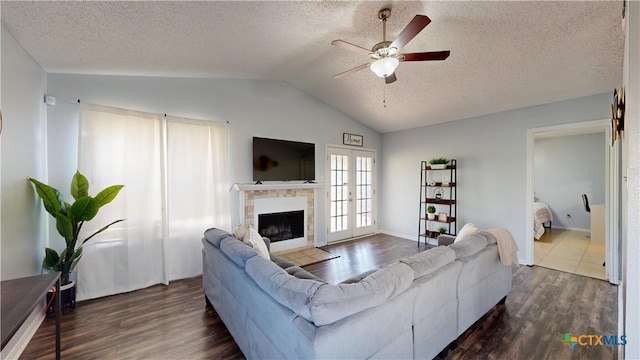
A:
504, 55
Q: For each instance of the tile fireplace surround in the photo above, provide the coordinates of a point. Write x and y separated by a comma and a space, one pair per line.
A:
271, 194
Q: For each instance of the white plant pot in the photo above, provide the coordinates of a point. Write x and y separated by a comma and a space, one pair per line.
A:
431, 216
439, 166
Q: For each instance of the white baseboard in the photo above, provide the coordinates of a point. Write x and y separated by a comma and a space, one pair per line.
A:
404, 236
22, 337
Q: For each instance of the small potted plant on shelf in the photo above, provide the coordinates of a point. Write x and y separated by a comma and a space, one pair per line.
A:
439, 163
69, 221
431, 212
442, 229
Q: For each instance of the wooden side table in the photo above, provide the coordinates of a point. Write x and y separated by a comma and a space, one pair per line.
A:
20, 297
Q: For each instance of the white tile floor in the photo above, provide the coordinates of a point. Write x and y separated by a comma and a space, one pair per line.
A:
570, 251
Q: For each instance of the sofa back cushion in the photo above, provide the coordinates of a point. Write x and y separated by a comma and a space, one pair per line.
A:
470, 245
491, 239
215, 236
429, 261
289, 291
334, 302
236, 250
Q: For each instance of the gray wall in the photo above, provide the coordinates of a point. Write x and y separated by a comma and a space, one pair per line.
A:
23, 150
492, 165
565, 168
252, 107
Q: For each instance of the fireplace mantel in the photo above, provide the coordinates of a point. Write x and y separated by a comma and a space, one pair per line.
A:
276, 186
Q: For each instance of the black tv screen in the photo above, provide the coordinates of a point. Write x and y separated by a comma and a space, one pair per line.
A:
283, 160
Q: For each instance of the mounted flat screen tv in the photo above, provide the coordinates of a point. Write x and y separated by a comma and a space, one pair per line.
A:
283, 160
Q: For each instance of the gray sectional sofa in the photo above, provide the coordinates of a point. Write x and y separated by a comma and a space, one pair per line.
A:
411, 309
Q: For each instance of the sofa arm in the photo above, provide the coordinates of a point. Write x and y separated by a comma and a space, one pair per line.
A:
445, 239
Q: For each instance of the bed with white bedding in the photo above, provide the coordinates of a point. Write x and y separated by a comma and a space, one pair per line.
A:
541, 215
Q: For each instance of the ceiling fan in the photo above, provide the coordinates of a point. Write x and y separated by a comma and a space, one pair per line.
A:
385, 56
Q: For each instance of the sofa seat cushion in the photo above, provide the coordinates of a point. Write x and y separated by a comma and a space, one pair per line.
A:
359, 277
334, 302
283, 263
470, 245
429, 261
236, 250
286, 289
301, 273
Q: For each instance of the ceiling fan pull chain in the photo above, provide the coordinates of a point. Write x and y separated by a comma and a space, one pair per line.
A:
384, 96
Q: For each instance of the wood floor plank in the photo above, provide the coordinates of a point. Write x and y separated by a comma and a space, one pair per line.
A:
172, 322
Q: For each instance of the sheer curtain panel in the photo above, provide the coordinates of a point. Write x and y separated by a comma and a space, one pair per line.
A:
197, 190
173, 171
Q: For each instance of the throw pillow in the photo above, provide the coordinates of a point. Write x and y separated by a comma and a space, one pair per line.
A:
467, 229
241, 233
255, 240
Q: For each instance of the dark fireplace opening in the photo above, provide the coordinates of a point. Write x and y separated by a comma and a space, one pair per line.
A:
282, 225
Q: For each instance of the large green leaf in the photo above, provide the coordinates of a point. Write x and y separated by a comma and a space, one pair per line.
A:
51, 198
65, 228
51, 258
101, 230
75, 258
84, 209
105, 196
79, 186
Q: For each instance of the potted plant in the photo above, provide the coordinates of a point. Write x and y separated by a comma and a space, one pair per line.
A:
69, 220
442, 229
439, 163
431, 212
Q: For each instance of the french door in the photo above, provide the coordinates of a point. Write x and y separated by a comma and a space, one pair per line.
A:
351, 193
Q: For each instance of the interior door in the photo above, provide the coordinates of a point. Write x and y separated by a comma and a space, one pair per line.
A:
351, 194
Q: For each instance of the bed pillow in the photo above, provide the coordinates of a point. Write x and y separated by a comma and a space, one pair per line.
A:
255, 240
467, 229
241, 232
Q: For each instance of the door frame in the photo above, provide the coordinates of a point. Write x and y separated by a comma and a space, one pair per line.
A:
327, 169
612, 187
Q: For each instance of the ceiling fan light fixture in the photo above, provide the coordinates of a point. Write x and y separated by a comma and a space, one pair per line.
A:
385, 66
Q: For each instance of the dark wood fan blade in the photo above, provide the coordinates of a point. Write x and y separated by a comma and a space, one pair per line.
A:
357, 68
410, 31
424, 56
391, 78
349, 46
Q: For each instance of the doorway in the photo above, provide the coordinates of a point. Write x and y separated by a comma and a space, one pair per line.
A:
611, 188
351, 194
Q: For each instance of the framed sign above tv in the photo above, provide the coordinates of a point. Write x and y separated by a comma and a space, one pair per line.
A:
352, 139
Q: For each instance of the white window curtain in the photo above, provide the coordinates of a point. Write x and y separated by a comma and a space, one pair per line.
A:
175, 176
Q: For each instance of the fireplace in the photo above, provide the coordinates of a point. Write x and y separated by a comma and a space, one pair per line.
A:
260, 199
281, 225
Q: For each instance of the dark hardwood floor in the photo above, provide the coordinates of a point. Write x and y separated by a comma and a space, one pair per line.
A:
172, 322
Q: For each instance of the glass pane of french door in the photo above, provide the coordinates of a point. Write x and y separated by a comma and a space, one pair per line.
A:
364, 194
351, 193
339, 193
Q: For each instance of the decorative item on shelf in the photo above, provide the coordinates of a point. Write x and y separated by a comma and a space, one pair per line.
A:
445, 181
431, 212
434, 234
439, 163
617, 115
442, 229
437, 194
431, 182
442, 216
